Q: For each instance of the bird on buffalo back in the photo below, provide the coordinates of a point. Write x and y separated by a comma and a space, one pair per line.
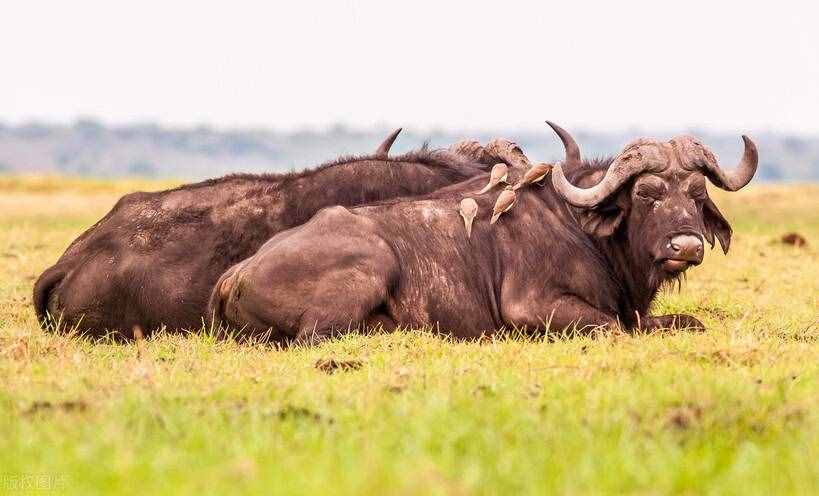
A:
468, 210
499, 174
506, 200
534, 174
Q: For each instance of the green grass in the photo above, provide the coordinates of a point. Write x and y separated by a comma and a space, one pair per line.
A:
734, 410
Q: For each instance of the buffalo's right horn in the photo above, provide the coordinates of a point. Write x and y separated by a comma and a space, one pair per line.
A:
384, 147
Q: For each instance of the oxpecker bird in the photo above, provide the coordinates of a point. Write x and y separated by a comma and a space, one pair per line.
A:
498, 175
469, 209
504, 203
534, 174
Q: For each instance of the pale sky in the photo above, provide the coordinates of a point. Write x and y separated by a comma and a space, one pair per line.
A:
728, 66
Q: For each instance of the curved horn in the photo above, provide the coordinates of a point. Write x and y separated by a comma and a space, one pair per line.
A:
384, 148
741, 175
569, 144
629, 163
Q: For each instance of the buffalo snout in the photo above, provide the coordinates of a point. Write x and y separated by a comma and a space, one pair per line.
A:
683, 250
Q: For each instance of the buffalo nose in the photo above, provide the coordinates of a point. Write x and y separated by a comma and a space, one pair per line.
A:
687, 247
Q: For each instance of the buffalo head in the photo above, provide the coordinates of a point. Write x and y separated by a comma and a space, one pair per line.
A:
654, 193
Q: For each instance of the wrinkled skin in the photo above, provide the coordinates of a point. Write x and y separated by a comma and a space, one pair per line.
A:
635, 229
153, 259
545, 264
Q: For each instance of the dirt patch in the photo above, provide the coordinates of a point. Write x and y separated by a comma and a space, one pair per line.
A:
715, 312
63, 406
17, 349
794, 414
738, 356
685, 416
400, 380
807, 336
741, 356
484, 390
794, 239
290, 412
331, 365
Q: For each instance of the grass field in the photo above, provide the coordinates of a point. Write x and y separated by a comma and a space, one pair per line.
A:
734, 410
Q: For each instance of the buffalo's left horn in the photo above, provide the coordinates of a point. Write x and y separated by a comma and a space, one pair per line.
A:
741, 175
569, 144
384, 147
629, 163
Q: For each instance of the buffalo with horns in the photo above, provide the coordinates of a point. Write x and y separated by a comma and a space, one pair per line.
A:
153, 259
590, 248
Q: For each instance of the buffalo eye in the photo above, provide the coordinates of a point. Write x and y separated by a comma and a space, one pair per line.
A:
698, 192
650, 193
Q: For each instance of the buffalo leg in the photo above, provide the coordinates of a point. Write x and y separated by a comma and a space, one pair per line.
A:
383, 320
312, 336
318, 326
308, 291
572, 312
560, 314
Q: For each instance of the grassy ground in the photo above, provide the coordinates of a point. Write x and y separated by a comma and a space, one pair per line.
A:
734, 410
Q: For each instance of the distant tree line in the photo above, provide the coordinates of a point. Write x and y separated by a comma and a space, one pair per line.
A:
90, 148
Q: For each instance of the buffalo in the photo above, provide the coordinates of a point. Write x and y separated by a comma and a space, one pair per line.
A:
587, 246
153, 259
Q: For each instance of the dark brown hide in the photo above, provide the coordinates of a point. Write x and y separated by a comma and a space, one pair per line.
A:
545, 264
153, 259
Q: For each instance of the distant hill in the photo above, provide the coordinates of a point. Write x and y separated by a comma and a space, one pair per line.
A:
89, 148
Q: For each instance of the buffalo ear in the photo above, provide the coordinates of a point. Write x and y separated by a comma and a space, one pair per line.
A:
603, 222
716, 225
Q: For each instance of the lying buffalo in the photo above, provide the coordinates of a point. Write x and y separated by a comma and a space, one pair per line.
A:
591, 247
153, 259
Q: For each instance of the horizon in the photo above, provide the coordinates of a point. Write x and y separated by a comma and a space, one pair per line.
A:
93, 148
407, 128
